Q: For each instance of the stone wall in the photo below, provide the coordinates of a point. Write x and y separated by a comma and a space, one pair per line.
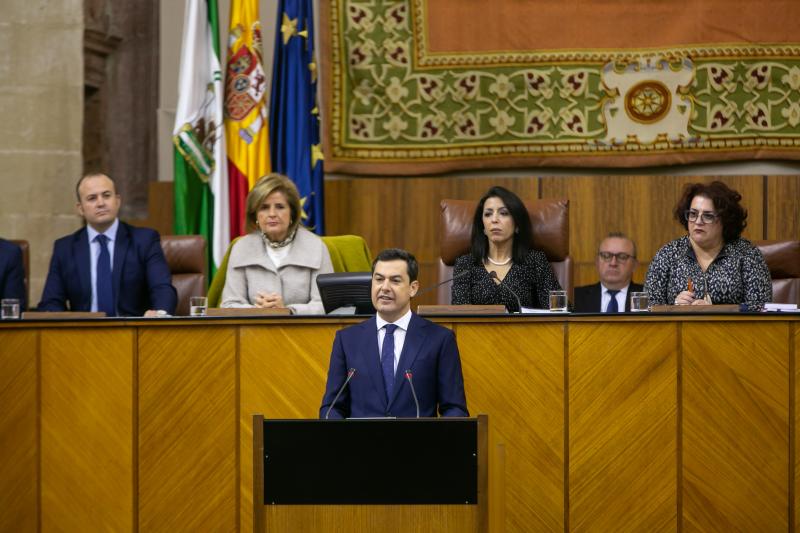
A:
41, 115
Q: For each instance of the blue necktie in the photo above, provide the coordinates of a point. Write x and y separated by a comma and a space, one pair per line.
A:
105, 294
387, 360
613, 307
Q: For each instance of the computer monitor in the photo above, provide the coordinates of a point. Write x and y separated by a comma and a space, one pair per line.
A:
343, 290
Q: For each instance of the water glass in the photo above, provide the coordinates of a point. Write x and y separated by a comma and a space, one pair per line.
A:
9, 309
558, 301
197, 305
640, 301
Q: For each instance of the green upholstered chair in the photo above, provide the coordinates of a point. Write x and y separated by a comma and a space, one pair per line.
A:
349, 253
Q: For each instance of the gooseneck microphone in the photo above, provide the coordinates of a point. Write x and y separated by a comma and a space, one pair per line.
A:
493, 275
413, 392
350, 374
428, 289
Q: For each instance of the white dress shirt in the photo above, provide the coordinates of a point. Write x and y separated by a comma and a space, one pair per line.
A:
605, 298
399, 335
94, 253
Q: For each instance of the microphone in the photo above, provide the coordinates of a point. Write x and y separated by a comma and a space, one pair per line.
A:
493, 275
350, 374
413, 392
428, 289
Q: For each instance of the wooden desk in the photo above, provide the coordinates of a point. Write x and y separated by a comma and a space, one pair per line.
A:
639, 423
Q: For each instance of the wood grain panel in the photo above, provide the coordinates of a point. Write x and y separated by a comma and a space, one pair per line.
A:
187, 429
19, 440
794, 345
783, 208
515, 374
283, 374
640, 206
87, 429
623, 399
370, 518
735, 426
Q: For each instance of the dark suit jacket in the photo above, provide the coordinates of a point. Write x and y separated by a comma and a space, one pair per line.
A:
141, 279
12, 272
430, 352
587, 298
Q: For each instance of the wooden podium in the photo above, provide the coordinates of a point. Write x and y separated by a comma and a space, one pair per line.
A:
373, 475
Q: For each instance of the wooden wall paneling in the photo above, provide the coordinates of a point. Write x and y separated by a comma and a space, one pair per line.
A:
623, 404
19, 439
87, 432
735, 426
371, 518
515, 374
641, 207
187, 418
283, 370
783, 208
794, 345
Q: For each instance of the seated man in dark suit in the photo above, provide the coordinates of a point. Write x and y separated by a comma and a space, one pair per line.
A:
616, 261
84, 277
386, 348
12, 272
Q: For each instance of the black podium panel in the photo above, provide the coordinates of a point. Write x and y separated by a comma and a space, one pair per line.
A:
402, 461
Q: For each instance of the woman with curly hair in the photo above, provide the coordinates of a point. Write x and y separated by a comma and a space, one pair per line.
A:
712, 264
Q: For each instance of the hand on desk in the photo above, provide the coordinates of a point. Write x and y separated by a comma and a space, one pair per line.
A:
269, 299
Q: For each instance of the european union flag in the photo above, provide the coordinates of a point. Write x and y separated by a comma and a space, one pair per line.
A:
294, 113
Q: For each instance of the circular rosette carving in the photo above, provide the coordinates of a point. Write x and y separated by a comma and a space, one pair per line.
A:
648, 101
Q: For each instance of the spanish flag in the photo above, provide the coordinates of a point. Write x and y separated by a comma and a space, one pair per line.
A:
246, 126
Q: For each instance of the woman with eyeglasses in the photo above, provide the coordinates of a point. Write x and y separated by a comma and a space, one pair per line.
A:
501, 265
712, 264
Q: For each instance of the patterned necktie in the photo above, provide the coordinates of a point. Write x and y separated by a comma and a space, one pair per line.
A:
105, 295
613, 307
387, 360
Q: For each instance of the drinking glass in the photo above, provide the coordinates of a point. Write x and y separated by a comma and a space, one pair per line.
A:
558, 301
197, 305
9, 309
640, 301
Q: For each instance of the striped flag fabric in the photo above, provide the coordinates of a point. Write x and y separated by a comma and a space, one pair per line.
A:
245, 109
294, 113
200, 169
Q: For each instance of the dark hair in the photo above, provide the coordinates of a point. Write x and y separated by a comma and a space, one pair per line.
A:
393, 254
523, 236
618, 235
93, 174
732, 215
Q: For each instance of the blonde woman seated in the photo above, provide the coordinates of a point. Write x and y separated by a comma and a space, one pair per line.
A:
277, 263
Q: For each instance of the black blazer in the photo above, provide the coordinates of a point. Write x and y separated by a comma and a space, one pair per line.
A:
588, 298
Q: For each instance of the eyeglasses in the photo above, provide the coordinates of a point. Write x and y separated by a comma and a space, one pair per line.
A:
608, 256
706, 216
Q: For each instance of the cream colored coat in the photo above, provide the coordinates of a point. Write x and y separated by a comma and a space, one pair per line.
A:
250, 271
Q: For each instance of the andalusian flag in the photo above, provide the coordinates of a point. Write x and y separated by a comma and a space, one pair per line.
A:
294, 113
245, 109
201, 176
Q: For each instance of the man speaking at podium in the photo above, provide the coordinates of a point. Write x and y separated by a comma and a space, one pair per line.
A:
382, 367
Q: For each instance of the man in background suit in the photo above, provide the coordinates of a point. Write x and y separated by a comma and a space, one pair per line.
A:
383, 349
12, 272
616, 261
83, 276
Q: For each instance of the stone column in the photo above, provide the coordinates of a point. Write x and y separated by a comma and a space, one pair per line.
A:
41, 114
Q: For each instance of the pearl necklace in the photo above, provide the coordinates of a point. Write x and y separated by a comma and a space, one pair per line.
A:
499, 263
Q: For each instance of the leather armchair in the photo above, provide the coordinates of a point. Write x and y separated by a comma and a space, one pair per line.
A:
783, 260
186, 257
550, 221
